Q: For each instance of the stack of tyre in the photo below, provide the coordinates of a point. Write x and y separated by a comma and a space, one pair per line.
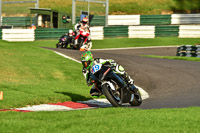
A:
188, 51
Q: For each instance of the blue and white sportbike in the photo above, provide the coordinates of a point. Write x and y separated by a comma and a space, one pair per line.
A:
115, 88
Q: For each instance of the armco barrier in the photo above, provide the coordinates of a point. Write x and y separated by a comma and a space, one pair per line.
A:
188, 51
166, 31
18, 35
96, 21
185, 19
97, 33
50, 33
141, 31
116, 31
18, 21
189, 31
155, 19
123, 20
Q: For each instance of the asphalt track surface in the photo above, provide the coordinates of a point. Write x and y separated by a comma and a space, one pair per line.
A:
169, 83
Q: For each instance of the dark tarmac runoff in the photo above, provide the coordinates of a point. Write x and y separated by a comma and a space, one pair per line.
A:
169, 83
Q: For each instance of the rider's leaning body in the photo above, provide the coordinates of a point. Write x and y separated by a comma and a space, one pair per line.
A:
88, 61
82, 25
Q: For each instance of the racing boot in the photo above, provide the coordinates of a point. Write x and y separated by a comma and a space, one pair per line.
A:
94, 92
76, 41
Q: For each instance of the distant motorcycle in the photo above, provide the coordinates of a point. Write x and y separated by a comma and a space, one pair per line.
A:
114, 86
62, 42
83, 43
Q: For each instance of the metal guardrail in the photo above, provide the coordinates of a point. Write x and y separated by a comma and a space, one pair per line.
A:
18, 21
116, 31
185, 19
50, 33
141, 31
16, 35
188, 51
189, 31
96, 21
155, 19
123, 20
167, 31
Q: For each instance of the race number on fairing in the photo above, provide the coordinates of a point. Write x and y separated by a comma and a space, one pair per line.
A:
96, 68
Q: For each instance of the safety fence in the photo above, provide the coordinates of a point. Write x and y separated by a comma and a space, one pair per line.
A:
116, 31
124, 20
155, 19
188, 51
50, 33
14, 35
141, 31
100, 32
189, 31
97, 33
18, 21
185, 19
166, 31
96, 20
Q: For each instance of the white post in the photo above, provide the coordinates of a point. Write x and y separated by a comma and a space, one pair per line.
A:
0, 12
37, 4
88, 11
73, 11
107, 12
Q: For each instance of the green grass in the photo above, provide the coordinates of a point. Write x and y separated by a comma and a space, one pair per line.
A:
104, 120
32, 75
174, 57
115, 7
143, 42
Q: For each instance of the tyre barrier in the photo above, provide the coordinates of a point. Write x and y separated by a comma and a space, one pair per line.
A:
188, 51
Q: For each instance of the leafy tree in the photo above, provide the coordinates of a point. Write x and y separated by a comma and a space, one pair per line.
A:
186, 6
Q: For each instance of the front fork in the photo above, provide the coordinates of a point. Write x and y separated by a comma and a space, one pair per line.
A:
120, 83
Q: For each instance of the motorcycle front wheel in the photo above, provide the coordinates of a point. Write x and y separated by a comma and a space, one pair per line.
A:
113, 96
58, 45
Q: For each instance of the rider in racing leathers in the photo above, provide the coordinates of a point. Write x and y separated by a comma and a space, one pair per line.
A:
88, 61
83, 24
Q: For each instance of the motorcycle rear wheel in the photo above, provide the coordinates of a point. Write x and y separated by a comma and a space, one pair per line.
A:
137, 101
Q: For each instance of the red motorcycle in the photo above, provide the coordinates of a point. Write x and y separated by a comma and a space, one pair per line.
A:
83, 43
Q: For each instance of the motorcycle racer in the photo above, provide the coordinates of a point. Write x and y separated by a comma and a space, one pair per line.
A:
88, 61
82, 25
70, 38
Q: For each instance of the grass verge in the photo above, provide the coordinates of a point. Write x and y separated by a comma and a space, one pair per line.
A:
143, 42
104, 120
174, 57
33, 75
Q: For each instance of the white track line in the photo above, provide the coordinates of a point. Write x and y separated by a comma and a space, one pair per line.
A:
144, 94
67, 57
